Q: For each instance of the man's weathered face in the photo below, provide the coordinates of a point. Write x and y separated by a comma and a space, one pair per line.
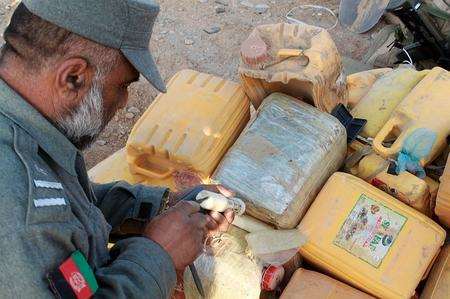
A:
115, 88
94, 108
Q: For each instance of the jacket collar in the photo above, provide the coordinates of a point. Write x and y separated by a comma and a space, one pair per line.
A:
50, 139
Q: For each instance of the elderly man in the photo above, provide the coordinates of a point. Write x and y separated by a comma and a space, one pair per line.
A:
65, 70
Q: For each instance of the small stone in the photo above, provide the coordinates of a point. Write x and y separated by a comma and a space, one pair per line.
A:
188, 42
129, 115
101, 142
134, 110
261, 8
220, 9
212, 29
203, 1
247, 4
222, 2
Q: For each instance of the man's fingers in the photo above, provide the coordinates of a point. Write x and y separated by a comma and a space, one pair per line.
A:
222, 222
187, 207
212, 224
229, 215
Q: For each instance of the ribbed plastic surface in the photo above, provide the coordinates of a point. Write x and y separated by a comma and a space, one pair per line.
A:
185, 132
369, 239
282, 159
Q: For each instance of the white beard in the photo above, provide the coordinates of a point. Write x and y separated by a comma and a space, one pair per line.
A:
84, 124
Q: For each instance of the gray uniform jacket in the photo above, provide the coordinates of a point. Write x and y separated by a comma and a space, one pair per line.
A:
49, 209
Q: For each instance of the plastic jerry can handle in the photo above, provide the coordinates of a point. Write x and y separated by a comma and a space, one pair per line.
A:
393, 123
161, 174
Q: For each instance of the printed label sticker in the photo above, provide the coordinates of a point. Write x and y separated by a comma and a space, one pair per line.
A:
370, 230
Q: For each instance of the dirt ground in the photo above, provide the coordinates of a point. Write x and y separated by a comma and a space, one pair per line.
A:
179, 42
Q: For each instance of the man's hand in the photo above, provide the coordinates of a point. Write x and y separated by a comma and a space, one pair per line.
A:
219, 222
181, 232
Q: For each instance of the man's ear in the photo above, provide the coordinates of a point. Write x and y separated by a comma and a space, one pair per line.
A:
73, 78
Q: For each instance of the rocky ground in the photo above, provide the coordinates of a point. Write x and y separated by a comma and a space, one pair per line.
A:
204, 35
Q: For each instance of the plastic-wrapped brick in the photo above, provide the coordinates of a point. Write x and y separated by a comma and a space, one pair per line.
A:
281, 161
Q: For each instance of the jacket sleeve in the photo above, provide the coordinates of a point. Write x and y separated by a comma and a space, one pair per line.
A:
120, 201
138, 268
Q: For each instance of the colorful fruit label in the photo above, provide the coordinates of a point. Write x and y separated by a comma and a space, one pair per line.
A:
370, 230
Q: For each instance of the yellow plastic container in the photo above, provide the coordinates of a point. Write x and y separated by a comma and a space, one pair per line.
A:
313, 285
406, 187
438, 283
369, 239
185, 132
359, 84
442, 209
114, 168
386, 93
296, 59
426, 108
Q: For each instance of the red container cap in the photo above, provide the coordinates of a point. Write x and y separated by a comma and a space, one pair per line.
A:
271, 277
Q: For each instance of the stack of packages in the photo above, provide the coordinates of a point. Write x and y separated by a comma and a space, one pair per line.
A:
362, 211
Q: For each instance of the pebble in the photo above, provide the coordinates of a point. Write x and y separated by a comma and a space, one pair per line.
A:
134, 110
101, 142
188, 42
203, 1
261, 8
222, 2
212, 29
129, 115
247, 4
220, 9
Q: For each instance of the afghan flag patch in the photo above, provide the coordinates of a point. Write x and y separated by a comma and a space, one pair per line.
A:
73, 278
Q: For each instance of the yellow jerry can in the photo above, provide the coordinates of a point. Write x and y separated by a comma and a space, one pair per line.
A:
313, 285
296, 59
384, 95
184, 133
420, 121
442, 209
405, 186
438, 283
369, 239
359, 84
114, 168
